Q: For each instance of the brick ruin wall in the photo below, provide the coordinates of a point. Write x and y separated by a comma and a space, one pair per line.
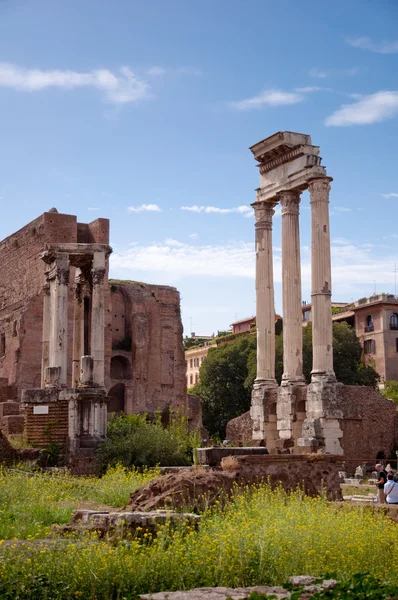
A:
21, 283
369, 424
146, 355
153, 373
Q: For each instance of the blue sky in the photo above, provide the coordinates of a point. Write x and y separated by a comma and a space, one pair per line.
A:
143, 112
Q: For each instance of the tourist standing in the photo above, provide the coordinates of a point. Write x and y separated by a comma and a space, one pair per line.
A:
381, 481
391, 489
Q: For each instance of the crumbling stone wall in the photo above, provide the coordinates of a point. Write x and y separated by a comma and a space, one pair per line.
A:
369, 423
21, 283
147, 356
143, 330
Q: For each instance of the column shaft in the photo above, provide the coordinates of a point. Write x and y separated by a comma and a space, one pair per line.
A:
98, 317
321, 309
265, 310
59, 315
291, 289
45, 348
78, 328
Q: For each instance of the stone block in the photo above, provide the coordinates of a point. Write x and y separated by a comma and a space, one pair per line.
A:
213, 456
8, 408
13, 424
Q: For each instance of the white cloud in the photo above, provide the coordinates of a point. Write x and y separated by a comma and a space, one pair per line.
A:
117, 88
324, 73
370, 109
268, 98
244, 210
392, 195
341, 209
156, 71
366, 43
354, 267
193, 236
174, 260
145, 208
309, 89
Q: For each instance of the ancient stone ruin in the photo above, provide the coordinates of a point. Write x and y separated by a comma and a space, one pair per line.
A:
295, 416
74, 346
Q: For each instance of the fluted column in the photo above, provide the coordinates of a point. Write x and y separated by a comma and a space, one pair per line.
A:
45, 345
291, 289
78, 327
59, 280
321, 308
265, 310
98, 317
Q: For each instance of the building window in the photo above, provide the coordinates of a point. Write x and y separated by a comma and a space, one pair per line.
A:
196, 378
202, 360
3, 344
394, 321
190, 379
191, 363
369, 324
369, 347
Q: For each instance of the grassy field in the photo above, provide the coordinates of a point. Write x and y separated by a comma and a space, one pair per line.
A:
30, 504
262, 537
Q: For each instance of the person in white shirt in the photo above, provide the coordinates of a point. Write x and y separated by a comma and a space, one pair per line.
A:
391, 489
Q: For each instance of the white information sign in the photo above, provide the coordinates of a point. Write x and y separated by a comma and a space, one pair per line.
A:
40, 410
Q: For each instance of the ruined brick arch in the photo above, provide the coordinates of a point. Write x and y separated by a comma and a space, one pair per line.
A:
120, 367
116, 397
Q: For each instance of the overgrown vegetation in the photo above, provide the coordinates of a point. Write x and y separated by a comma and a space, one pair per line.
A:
228, 373
261, 537
30, 503
391, 390
132, 440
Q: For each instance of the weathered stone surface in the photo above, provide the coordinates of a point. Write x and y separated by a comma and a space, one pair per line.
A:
142, 320
213, 456
222, 593
364, 433
198, 488
107, 523
13, 424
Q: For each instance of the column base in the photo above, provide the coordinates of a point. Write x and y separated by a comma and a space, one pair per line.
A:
289, 394
263, 402
322, 422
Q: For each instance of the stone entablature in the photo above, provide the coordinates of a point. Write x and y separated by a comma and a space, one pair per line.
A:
288, 164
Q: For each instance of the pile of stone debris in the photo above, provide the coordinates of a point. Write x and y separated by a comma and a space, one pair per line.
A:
307, 584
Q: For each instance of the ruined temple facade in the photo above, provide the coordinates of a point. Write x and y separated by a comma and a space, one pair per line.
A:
144, 365
296, 417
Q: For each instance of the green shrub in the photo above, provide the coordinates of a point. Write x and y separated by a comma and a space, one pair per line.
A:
133, 441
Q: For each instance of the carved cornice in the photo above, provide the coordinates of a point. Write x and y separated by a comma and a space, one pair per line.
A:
98, 276
280, 160
263, 212
319, 190
290, 201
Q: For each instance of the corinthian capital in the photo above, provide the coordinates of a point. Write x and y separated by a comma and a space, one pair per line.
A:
319, 190
62, 275
263, 212
290, 200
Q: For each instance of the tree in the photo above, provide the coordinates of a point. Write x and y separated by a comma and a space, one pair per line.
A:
228, 374
223, 389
